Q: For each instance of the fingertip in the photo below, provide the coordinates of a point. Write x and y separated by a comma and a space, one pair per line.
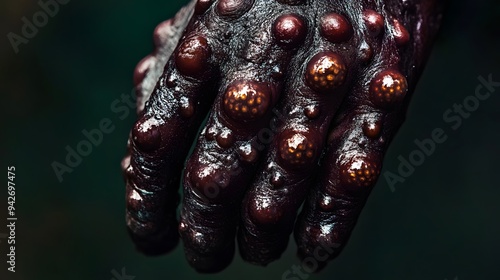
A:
161, 242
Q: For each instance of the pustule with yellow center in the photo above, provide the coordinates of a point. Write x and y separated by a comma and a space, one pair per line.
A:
359, 172
325, 72
246, 100
297, 149
388, 88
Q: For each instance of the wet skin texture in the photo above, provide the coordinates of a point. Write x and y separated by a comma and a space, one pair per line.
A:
302, 97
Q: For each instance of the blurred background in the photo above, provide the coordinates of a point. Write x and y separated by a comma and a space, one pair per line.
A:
442, 222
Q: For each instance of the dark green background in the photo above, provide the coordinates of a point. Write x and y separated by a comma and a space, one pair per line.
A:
442, 222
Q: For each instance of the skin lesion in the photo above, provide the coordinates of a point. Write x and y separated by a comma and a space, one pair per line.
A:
341, 74
388, 89
325, 72
246, 100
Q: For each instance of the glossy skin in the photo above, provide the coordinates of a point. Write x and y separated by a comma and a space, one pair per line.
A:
302, 97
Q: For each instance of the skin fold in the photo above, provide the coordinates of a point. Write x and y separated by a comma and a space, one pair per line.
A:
289, 103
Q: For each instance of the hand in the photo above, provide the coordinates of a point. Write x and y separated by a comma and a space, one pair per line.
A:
303, 98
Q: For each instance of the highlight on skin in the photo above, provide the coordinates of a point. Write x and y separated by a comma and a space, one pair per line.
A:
301, 99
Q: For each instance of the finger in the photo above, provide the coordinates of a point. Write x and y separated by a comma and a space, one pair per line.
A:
363, 128
325, 71
229, 147
161, 139
147, 72
166, 36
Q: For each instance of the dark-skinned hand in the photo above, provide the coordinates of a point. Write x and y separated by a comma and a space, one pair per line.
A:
289, 103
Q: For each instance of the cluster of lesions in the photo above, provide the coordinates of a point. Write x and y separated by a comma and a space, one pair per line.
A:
385, 92
246, 101
191, 62
388, 86
324, 74
326, 71
243, 103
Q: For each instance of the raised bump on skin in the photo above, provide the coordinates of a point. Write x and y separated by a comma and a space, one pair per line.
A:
401, 35
325, 71
171, 80
263, 211
246, 100
365, 52
372, 128
312, 112
277, 179
232, 9
248, 153
192, 56
207, 182
211, 133
225, 139
202, 6
374, 22
359, 172
297, 149
289, 30
326, 203
135, 201
146, 134
335, 28
186, 108
388, 88
277, 73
